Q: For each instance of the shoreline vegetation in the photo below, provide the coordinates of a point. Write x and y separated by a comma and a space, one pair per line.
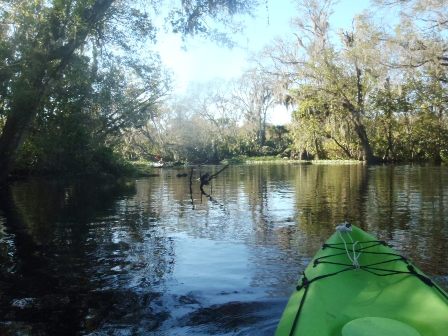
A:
142, 168
275, 159
92, 105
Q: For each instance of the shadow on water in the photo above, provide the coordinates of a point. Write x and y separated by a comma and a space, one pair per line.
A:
65, 255
155, 257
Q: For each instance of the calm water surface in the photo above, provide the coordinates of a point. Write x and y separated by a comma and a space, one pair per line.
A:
149, 257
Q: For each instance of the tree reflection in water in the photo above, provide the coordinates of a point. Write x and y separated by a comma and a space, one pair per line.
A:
136, 258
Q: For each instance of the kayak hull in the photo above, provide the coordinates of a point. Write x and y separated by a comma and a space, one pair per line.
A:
335, 290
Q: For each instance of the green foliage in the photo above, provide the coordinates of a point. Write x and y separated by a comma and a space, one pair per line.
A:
374, 94
71, 75
430, 137
81, 123
189, 17
74, 77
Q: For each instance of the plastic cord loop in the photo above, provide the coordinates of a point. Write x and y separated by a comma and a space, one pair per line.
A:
353, 256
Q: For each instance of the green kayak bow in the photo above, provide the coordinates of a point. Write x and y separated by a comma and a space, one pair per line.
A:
357, 285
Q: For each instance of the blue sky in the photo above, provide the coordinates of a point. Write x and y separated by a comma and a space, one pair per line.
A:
203, 61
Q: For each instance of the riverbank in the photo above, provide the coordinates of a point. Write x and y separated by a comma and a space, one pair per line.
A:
143, 168
276, 159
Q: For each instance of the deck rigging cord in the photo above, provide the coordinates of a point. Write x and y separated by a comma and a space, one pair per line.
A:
354, 257
353, 254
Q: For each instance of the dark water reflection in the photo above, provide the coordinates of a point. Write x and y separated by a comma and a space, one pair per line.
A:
145, 258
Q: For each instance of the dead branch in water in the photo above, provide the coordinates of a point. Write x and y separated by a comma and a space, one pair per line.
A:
206, 178
191, 188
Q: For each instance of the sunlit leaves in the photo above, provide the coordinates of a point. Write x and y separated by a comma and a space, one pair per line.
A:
44, 42
216, 19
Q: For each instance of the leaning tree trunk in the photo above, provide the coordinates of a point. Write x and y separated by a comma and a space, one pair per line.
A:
367, 151
26, 102
24, 106
15, 130
356, 113
360, 130
341, 146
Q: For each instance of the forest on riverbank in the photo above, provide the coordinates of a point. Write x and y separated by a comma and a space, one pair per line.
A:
83, 91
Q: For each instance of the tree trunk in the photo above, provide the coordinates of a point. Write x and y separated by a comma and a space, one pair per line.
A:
356, 113
26, 102
15, 129
367, 151
360, 130
261, 132
341, 146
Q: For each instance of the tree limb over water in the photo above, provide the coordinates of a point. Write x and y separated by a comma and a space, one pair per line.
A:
42, 40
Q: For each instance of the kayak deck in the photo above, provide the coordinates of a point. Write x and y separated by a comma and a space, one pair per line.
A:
335, 290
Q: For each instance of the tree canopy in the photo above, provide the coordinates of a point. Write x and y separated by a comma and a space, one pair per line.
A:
87, 53
81, 87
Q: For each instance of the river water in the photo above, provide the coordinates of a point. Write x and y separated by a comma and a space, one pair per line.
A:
153, 257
